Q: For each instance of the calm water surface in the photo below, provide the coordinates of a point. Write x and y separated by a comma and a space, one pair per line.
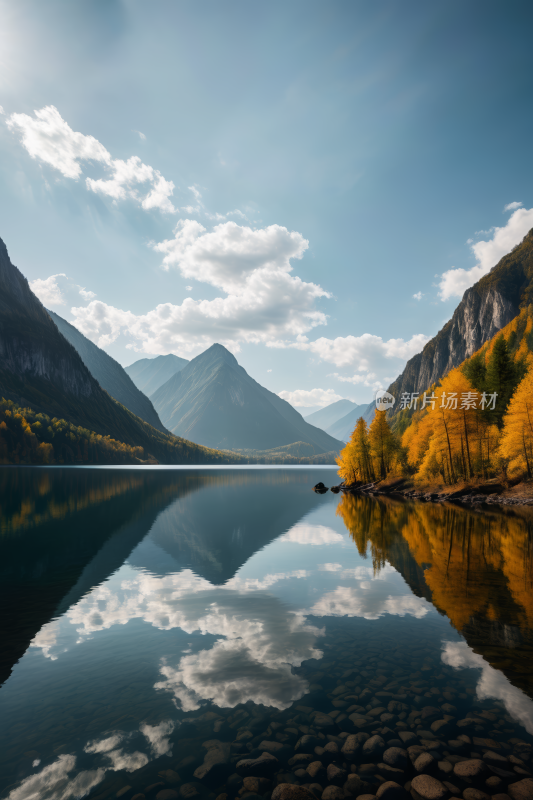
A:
147, 612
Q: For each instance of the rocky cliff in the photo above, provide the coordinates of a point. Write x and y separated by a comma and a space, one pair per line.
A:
485, 309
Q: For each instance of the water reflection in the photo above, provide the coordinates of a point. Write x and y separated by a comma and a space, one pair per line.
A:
477, 568
152, 608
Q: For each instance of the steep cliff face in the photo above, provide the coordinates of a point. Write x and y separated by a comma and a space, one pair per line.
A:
486, 308
30, 344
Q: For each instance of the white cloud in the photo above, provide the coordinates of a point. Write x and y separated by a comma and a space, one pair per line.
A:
48, 291
454, 282
188, 288
252, 268
348, 601
49, 138
373, 358
142, 136
53, 782
512, 206
158, 736
2, 110
269, 370
311, 534
86, 294
418, 296
330, 567
492, 682
307, 398
46, 639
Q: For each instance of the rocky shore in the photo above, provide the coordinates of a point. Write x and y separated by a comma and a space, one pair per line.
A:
478, 494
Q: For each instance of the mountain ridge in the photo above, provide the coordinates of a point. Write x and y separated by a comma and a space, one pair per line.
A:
148, 374
109, 373
214, 399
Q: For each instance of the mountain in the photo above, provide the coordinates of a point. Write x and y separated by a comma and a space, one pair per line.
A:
489, 305
325, 417
342, 429
148, 374
39, 368
109, 373
215, 402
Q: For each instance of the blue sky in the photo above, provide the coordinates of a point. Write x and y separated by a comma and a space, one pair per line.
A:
305, 168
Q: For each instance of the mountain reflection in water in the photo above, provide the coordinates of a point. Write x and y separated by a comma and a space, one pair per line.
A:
477, 568
147, 611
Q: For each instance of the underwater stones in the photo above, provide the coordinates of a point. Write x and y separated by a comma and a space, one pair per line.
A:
323, 721
374, 746
430, 713
189, 791
336, 775
301, 759
288, 791
262, 767
425, 763
317, 771
441, 727
170, 776
521, 790
471, 793
408, 738
390, 790
471, 770
167, 794
256, 785
425, 787
396, 757
333, 793
215, 760
353, 744
353, 785
306, 743
495, 759
278, 749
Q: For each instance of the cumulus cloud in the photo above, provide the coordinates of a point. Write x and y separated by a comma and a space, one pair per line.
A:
48, 291
454, 282
49, 138
158, 737
418, 296
348, 601
86, 294
372, 358
251, 267
512, 206
307, 398
311, 534
54, 782
492, 683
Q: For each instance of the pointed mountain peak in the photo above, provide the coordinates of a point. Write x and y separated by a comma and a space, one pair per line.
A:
217, 352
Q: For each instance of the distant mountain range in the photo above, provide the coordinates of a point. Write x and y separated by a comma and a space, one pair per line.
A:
41, 370
342, 429
325, 417
213, 401
148, 374
110, 374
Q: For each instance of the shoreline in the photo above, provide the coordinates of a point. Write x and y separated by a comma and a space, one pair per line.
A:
489, 493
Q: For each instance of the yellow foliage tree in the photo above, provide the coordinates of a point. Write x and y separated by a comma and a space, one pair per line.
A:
516, 445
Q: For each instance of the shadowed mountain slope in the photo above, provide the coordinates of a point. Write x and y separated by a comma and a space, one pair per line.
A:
40, 369
325, 417
109, 373
148, 374
487, 307
215, 402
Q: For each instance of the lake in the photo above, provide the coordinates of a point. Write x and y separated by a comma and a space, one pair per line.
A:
163, 627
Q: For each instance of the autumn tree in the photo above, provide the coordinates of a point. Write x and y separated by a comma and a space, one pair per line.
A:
355, 461
516, 444
383, 442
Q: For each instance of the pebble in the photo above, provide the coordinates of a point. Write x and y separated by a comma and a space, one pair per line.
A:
472, 769
336, 775
425, 763
333, 793
263, 767
522, 790
475, 794
316, 770
288, 791
374, 746
167, 794
424, 787
396, 757
390, 791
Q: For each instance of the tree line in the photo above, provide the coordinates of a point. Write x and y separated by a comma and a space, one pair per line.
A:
476, 424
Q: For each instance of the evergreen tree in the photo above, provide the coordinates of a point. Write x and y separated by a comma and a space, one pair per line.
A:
502, 378
383, 442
